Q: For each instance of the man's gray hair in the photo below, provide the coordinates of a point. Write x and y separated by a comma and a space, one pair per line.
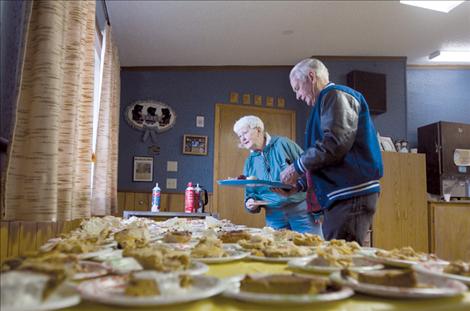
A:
300, 71
248, 121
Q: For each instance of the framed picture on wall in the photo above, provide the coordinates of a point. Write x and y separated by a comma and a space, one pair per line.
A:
195, 144
387, 144
143, 169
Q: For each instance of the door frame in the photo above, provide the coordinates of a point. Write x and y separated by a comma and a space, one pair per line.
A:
249, 111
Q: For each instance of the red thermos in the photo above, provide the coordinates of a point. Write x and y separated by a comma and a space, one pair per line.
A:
189, 199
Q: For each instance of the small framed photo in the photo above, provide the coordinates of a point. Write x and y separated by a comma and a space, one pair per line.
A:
269, 101
143, 169
258, 99
233, 97
195, 144
386, 144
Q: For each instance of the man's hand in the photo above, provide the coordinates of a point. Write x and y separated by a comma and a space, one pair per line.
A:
289, 175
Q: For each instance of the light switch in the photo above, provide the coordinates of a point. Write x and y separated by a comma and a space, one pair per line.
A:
171, 166
199, 121
171, 183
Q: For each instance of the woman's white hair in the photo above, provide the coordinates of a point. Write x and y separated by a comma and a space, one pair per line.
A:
300, 71
250, 122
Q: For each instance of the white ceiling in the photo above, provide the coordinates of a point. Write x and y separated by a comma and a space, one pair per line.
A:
218, 33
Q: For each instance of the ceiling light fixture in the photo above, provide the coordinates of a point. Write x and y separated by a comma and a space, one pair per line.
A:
441, 6
450, 56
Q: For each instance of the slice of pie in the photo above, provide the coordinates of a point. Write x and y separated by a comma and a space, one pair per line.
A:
283, 284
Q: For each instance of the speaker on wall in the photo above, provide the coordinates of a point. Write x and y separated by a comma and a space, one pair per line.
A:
372, 86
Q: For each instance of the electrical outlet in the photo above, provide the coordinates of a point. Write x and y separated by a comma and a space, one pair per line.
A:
171, 166
171, 183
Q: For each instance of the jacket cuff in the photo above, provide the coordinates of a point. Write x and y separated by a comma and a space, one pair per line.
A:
299, 167
301, 185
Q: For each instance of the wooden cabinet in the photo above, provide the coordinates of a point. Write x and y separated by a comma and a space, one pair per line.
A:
402, 214
450, 230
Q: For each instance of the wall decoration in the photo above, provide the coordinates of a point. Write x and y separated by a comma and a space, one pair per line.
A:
269, 101
154, 149
143, 169
199, 121
195, 144
151, 117
246, 99
281, 102
233, 97
258, 100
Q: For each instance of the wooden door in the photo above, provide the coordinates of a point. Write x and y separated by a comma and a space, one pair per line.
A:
229, 159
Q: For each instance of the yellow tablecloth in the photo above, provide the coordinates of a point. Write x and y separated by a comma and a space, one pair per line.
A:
355, 303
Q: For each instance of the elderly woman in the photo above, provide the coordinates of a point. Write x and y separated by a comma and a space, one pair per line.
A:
268, 157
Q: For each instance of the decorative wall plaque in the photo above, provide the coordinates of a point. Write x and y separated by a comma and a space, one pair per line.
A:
151, 117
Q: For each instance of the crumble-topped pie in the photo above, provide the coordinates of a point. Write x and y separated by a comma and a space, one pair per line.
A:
458, 267
234, 236
208, 247
133, 237
177, 237
159, 258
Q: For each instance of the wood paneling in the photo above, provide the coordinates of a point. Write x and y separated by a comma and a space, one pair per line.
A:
229, 159
28, 234
450, 230
21, 237
402, 215
4, 238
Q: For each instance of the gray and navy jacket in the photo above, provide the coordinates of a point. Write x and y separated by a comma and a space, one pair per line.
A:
342, 152
268, 164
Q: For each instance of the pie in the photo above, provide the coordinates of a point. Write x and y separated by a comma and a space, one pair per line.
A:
458, 267
234, 236
177, 237
208, 247
283, 284
392, 277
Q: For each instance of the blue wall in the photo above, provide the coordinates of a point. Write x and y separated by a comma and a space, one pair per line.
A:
192, 92
437, 95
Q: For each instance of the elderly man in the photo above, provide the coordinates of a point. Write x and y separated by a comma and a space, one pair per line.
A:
268, 157
342, 163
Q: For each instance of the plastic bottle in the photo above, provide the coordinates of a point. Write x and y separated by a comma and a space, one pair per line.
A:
189, 198
197, 198
156, 199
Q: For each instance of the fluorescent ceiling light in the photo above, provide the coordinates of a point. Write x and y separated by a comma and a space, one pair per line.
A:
441, 6
450, 56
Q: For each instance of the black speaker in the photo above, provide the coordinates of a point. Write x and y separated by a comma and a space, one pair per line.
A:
372, 86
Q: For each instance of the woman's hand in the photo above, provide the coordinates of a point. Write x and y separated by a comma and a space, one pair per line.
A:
251, 204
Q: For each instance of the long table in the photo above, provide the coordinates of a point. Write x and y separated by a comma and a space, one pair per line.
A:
355, 303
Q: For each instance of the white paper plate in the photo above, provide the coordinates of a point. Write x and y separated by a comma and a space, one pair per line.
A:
361, 264
401, 262
438, 271
276, 259
442, 287
114, 254
100, 252
195, 268
110, 290
63, 297
233, 254
233, 291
